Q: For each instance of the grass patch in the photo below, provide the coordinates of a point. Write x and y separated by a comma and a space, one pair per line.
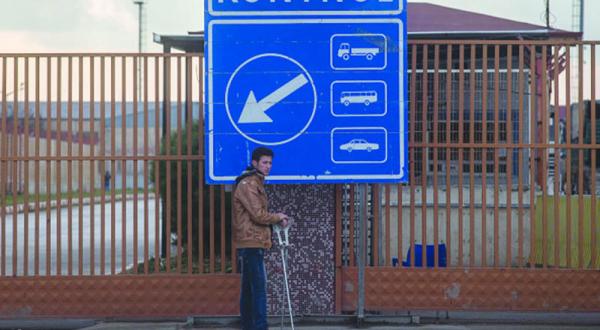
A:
66, 195
184, 265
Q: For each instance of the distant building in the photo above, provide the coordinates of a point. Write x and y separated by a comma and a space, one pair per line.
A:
59, 132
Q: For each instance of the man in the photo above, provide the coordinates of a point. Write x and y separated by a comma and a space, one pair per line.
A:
107, 177
252, 234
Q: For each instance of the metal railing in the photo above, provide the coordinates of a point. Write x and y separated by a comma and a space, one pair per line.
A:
503, 162
81, 149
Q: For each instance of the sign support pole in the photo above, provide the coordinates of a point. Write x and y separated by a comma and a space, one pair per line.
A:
362, 253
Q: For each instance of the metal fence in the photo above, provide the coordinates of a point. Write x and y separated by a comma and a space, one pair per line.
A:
503, 176
101, 173
499, 173
82, 138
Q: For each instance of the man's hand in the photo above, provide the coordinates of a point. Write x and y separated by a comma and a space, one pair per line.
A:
283, 219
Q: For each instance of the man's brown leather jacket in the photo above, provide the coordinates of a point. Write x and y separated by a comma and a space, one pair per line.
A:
251, 219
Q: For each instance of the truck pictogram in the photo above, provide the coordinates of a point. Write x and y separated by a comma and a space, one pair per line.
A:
346, 50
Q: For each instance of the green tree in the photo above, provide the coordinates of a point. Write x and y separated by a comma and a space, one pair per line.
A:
194, 171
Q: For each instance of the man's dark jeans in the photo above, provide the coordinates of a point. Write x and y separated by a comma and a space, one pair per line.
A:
253, 297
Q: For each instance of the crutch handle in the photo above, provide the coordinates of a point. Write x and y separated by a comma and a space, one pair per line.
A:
285, 241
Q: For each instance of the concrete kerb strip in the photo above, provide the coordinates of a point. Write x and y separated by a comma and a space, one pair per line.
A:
311, 320
34, 324
403, 318
74, 202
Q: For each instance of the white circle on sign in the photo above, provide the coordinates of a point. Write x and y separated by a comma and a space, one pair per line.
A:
303, 76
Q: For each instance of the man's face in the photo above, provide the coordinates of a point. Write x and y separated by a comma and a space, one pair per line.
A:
263, 165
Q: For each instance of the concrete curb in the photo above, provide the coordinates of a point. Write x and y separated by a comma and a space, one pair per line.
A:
309, 320
46, 324
407, 318
74, 202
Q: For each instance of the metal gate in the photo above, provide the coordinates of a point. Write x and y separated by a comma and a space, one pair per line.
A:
104, 212
501, 209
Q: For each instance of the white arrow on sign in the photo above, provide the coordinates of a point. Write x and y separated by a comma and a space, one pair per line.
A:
254, 112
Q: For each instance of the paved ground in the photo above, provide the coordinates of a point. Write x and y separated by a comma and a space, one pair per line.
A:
181, 325
86, 212
173, 326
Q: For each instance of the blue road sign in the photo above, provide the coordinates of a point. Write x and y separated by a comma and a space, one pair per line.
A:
325, 92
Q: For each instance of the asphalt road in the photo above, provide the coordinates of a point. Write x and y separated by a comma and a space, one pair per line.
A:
47, 228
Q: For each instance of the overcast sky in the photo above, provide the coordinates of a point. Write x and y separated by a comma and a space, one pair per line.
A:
111, 25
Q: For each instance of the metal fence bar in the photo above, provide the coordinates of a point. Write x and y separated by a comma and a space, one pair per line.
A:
201, 205
124, 164
448, 138
352, 220
412, 157
544, 154
580, 168
521, 151
436, 139
532, 152
388, 229
36, 258
222, 231
103, 154
472, 158
157, 130
146, 173
15, 164
3, 170
212, 229
376, 197
461, 151
167, 132
568, 166
92, 168
484, 153
136, 99
509, 155
48, 167
113, 143
179, 169
400, 223
189, 119
594, 242
26, 170
425, 87
496, 154
555, 70
58, 167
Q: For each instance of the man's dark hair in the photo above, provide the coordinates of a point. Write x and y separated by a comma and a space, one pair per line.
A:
261, 151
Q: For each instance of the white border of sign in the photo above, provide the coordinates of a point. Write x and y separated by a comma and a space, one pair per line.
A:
274, 178
228, 13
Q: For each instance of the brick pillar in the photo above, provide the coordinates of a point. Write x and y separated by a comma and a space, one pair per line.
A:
311, 265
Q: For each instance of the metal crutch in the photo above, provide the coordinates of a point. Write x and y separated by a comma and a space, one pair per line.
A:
283, 245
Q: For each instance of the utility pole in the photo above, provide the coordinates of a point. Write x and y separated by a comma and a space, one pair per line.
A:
576, 26
547, 14
141, 42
